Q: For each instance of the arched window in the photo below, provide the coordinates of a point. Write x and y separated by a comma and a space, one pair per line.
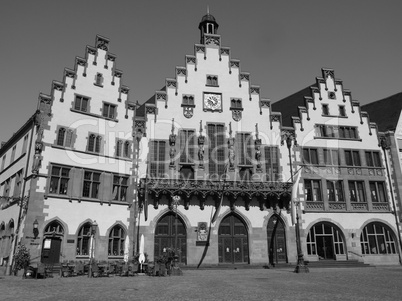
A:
83, 240
377, 238
325, 240
2, 239
60, 137
119, 147
126, 149
54, 228
117, 238
94, 143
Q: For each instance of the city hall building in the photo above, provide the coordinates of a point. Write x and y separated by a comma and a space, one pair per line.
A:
91, 172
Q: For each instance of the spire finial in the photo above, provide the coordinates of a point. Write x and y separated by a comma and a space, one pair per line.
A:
207, 9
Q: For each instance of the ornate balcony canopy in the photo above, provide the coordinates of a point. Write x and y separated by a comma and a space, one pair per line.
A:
268, 193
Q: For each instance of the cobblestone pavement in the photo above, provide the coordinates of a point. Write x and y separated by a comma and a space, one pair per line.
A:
380, 283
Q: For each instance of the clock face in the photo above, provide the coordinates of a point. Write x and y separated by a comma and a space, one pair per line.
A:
212, 101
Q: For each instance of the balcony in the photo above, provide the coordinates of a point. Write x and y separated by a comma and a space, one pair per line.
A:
262, 194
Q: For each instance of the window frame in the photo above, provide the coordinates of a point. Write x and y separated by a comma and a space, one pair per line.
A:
67, 139
350, 160
91, 186
96, 145
325, 109
80, 107
373, 158
271, 161
84, 240
245, 148
117, 241
309, 151
360, 194
376, 234
106, 110
120, 188
212, 80
378, 192
157, 158
187, 146
316, 194
62, 180
338, 191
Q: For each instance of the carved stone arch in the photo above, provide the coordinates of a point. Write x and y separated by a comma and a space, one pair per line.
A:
165, 211
376, 220
116, 223
325, 220
237, 213
284, 220
88, 220
58, 220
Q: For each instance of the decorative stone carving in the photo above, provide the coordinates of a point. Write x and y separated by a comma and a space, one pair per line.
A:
188, 112
236, 115
172, 143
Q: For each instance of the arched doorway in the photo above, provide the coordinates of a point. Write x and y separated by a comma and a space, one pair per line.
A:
233, 240
165, 236
326, 241
51, 247
276, 235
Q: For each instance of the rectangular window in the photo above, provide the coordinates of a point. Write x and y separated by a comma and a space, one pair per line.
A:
13, 154
335, 191
310, 156
331, 157
356, 191
373, 159
187, 145
91, 184
325, 110
17, 184
377, 191
188, 100
334, 131
271, 162
244, 148
3, 162
157, 159
212, 80
352, 158
342, 111
313, 190
81, 103
25, 144
109, 111
59, 180
235, 103
216, 149
120, 185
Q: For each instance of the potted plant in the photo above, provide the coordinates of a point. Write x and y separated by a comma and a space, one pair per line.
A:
22, 258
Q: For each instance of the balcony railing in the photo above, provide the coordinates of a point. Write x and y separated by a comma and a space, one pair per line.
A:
277, 192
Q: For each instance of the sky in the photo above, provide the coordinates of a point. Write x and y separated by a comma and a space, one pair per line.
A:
283, 44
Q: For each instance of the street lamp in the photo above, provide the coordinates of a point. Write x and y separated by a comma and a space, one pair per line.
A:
35, 229
300, 267
94, 225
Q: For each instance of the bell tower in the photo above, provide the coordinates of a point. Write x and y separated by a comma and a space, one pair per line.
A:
207, 25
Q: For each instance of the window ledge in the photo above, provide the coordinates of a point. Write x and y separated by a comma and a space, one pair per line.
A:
100, 86
338, 138
93, 115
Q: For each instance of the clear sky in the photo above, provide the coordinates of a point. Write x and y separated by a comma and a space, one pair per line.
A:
283, 44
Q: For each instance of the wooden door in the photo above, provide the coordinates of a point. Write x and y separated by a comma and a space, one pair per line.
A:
276, 235
51, 250
233, 241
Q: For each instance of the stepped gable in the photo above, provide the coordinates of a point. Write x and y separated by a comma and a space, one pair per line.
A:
328, 89
385, 112
92, 57
210, 41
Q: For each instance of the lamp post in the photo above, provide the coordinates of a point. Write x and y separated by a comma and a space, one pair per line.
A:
94, 225
300, 267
